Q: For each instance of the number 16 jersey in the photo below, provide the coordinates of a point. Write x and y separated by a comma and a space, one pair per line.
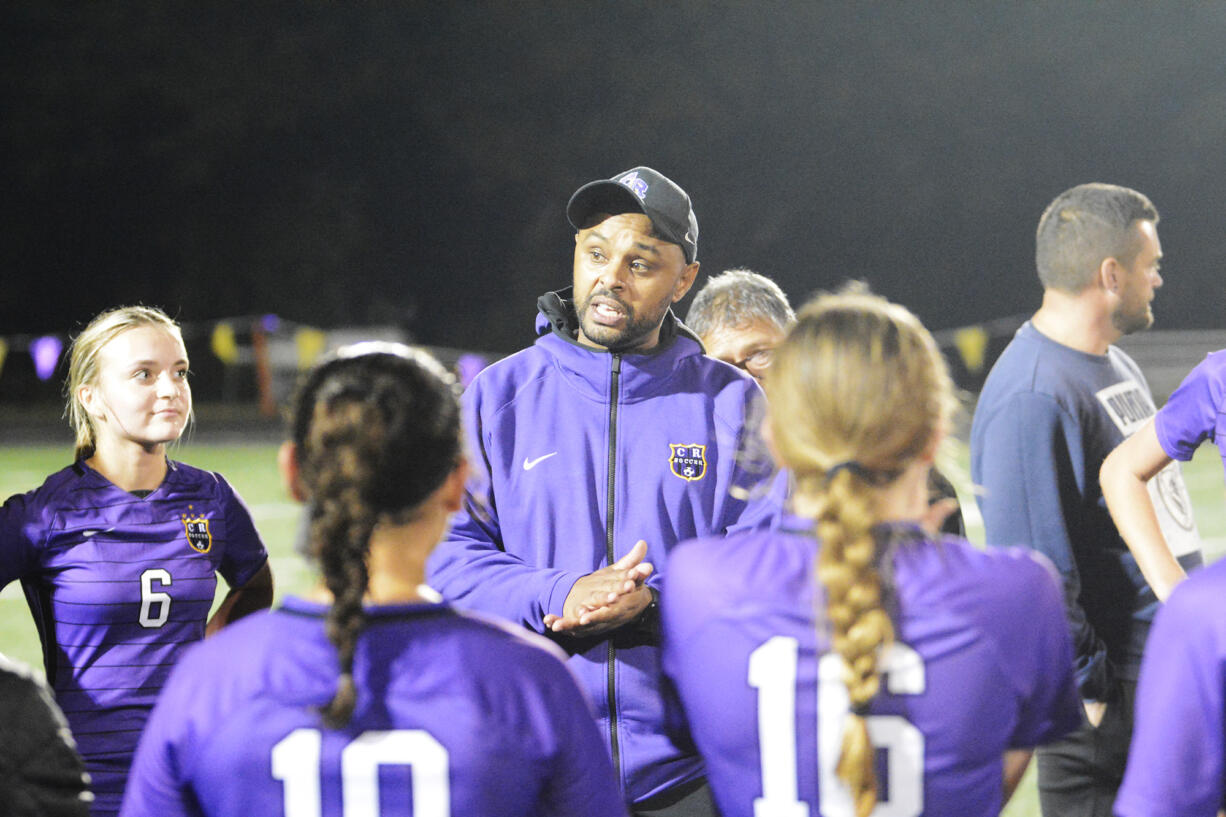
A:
118, 585
981, 663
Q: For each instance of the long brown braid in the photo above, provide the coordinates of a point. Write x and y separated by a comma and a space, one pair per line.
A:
857, 391
377, 430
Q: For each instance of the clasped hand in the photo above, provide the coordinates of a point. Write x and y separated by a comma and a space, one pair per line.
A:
606, 599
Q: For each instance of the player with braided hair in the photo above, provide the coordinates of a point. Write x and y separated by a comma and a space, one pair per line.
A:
858, 658
370, 696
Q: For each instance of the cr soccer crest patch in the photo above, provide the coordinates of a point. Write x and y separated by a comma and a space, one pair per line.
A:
688, 461
198, 534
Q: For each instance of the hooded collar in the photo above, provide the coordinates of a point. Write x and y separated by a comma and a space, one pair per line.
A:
641, 374
556, 314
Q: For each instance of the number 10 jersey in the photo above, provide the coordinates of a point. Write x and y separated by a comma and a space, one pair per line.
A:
455, 715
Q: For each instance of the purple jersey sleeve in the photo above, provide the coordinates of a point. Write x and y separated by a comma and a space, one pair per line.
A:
18, 556
245, 553
1193, 413
1177, 761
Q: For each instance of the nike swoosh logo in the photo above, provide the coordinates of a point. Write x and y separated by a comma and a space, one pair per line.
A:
530, 464
88, 533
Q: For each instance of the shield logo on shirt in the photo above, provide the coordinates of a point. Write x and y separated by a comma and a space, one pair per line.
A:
688, 461
198, 534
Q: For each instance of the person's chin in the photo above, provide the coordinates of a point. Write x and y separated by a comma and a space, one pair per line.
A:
166, 433
607, 336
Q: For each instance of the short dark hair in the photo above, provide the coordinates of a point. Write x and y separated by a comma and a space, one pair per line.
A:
738, 297
1083, 226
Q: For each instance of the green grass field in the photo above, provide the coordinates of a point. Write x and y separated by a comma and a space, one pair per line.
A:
252, 470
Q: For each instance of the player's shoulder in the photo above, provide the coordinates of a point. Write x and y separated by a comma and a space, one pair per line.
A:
492, 635
1211, 370
762, 562
1012, 583
1189, 602
68, 479
191, 476
57, 489
697, 554
187, 483
1016, 567
227, 664
995, 575
689, 561
742, 577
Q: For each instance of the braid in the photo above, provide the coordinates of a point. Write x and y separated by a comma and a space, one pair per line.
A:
860, 625
377, 430
857, 392
342, 442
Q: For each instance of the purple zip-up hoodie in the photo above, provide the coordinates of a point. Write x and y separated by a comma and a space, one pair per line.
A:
577, 453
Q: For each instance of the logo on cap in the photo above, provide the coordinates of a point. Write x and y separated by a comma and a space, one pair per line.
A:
636, 185
688, 461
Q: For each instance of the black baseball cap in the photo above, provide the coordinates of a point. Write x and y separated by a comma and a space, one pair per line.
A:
640, 190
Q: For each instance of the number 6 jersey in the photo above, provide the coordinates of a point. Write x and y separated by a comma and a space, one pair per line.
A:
981, 663
118, 584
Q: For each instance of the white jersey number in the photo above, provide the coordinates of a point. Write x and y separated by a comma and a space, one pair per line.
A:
151, 599
295, 762
772, 671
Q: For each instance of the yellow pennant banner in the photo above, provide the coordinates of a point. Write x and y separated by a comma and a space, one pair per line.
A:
224, 343
972, 343
310, 343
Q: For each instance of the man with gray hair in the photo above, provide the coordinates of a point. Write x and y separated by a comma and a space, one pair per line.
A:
741, 317
1057, 401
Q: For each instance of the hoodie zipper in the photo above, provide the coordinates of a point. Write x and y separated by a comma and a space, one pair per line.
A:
609, 509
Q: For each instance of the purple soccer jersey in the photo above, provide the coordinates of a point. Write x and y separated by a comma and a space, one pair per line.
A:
455, 715
1177, 761
982, 663
1196, 411
118, 586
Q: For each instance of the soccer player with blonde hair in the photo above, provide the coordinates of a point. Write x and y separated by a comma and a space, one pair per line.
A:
119, 552
851, 636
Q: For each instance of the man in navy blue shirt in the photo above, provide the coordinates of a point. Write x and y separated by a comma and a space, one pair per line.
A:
1057, 401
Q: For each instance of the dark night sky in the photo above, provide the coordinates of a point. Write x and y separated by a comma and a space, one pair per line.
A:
411, 164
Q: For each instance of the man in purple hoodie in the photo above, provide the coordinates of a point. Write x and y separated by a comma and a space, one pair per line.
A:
611, 438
